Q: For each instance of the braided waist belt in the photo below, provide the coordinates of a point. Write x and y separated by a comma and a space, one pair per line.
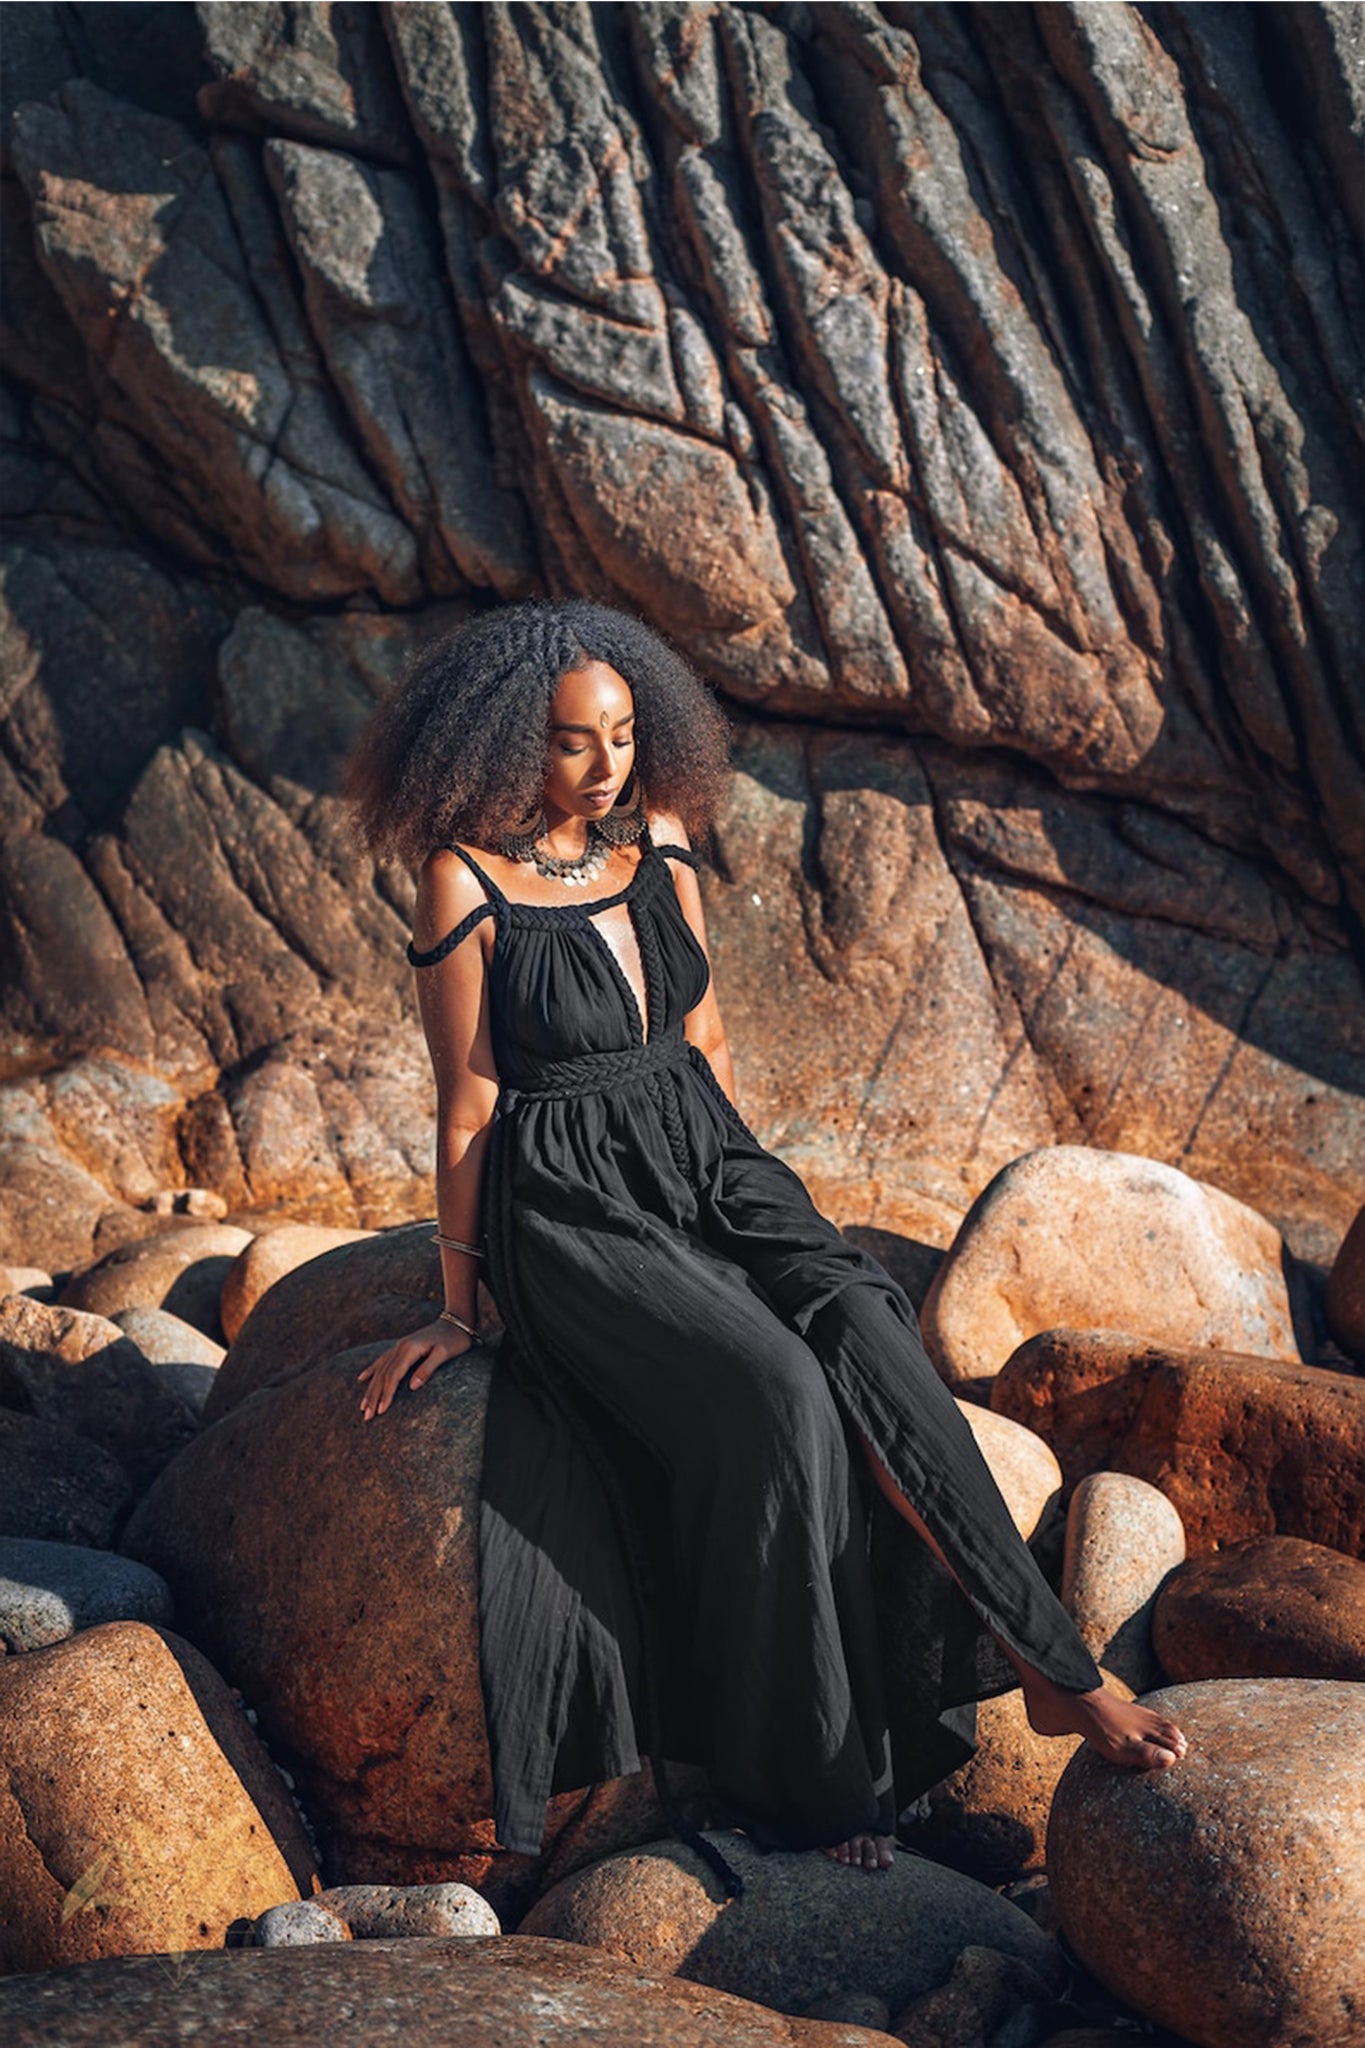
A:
593, 1073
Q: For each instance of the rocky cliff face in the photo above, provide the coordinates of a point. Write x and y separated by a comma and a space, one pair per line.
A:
974, 392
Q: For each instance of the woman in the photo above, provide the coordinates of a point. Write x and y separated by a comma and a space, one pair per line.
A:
699, 1376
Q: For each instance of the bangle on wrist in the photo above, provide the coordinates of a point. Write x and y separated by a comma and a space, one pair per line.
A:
448, 1315
458, 1245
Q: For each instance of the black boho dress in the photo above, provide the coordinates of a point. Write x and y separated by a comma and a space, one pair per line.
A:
675, 1507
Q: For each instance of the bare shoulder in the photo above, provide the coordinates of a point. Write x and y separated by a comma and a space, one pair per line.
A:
447, 890
667, 829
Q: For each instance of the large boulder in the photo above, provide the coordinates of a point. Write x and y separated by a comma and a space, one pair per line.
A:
291, 1527
1240, 1446
378, 1286
182, 1270
269, 1256
805, 1929
56, 1486
1225, 1896
1272, 1607
140, 1812
49, 1591
500, 1993
1090, 1240
82, 1373
1123, 1540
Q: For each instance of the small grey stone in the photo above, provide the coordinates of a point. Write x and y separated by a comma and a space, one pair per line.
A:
50, 1590
376, 1912
299, 1923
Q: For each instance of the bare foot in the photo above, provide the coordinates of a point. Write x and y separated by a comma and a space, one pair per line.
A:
868, 1852
1121, 1730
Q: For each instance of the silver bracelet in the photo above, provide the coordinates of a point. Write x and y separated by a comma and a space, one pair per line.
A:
448, 1315
456, 1244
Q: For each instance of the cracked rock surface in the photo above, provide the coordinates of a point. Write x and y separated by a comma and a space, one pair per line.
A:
974, 394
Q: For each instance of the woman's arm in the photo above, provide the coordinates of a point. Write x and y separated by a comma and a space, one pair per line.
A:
453, 1001
703, 1026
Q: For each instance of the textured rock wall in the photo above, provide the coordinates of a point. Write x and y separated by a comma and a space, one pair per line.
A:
973, 391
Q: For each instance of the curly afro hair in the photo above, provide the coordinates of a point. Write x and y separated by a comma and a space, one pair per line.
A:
459, 750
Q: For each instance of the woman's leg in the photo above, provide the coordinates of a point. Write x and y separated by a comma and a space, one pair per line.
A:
1120, 1730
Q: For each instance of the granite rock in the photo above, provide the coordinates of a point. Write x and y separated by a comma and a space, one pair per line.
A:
1088, 1240
1224, 1896
141, 1813
1124, 1540
805, 1928
1240, 1446
1270, 1607
508, 1993
49, 1591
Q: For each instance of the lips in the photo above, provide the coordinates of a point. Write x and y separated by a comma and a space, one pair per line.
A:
597, 796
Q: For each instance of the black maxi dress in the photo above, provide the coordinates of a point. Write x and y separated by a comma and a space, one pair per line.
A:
675, 1506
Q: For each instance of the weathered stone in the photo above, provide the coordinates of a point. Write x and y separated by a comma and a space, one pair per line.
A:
390, 1743
987, 1992
989, 1817
182, 1270
268, 1257
58, 1487
377, 1912
379, 1285
1240, 1446
1272, 1607
511, 1993
141, 1812
1123, 1541
1225, 1896
80, 1372
31, 1280
183, 1358
1156, 1254
134, 231
1346, 1292
805, 1928
299, 1923
945, 391
50, 1590
1021, 1465
320, 72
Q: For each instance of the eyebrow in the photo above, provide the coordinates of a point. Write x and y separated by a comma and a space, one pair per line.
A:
592, 728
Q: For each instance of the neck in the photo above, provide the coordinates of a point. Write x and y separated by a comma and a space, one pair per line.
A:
568, 839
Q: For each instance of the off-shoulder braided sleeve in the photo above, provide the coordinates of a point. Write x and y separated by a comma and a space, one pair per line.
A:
451, 939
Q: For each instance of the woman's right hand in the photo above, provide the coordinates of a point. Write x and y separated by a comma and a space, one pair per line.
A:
420, 1354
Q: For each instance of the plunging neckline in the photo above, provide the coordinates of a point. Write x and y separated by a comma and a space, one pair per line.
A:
638, 1013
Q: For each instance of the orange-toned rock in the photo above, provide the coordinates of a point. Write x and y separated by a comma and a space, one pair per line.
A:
1346, 1293
140, 1812
182, 1270
1087, 1240
1273, 1607
1022, 1465
380, 1286
267, 1258
1225, 1895
507, 1992
1240, 1446
989, 1817
292, 1527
